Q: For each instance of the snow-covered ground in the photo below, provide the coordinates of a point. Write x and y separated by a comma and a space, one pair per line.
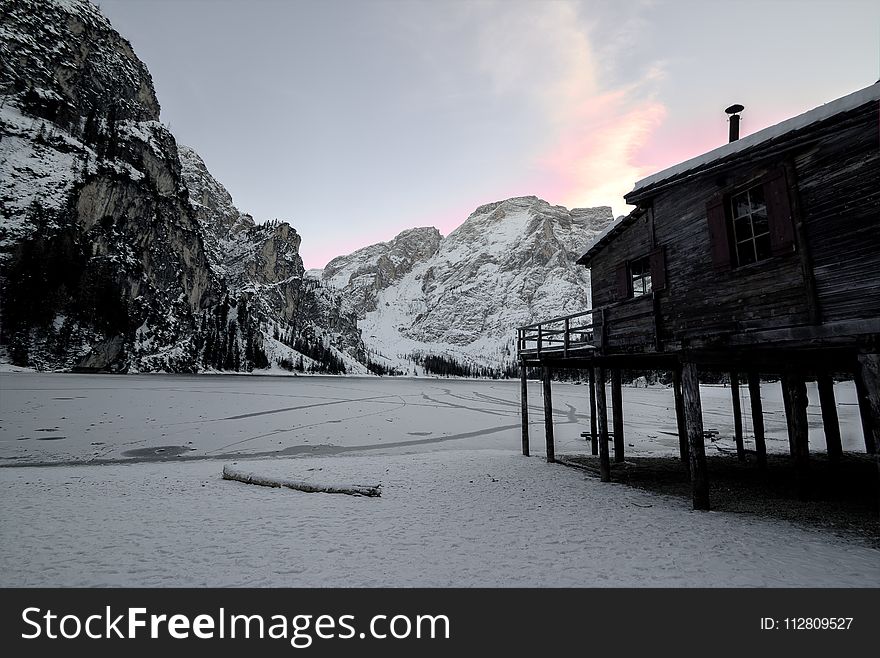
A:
459, 505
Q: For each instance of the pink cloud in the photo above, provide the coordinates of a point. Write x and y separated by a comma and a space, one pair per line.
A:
597, 156
681, 138
687, 137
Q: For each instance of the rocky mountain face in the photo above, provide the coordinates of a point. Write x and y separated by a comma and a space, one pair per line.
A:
363, 274
261, 263
461, 297
118, 250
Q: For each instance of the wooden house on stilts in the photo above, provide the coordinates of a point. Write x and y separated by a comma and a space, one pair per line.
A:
761, 257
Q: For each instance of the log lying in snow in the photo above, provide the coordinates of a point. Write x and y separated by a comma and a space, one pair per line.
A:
230, 473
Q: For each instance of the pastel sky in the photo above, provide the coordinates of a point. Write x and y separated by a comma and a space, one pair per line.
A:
354, 120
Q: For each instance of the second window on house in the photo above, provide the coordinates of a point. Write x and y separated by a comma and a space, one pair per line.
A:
640, 276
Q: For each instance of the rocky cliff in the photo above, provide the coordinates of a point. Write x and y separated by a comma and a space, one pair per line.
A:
118, 250
261, 263
363, 274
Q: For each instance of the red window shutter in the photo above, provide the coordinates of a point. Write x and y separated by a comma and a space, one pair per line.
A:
779, 214
719, 240
623, 282
657, 259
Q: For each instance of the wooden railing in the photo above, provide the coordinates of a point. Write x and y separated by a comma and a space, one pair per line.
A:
565, 334
632, 322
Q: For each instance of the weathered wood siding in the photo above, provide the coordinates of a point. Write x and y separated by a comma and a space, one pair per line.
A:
833, 173
635, 242
702, 300
839, 190
630, 325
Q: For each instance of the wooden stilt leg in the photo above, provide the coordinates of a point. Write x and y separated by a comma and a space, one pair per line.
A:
869, 375
594, 437
737, 416
693, 413
524, 403
617, 414
602, 409
679, 415
758, 418
794, 392
865, 413
548, 416
786, 403
829, 417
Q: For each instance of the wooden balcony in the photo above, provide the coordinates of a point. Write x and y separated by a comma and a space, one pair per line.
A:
562, 336
630, 326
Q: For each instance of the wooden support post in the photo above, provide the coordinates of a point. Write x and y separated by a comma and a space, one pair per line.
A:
602, 408
548, 416
594, 436
658, 321
794, 395
565, 339
693, 414
786, 404
869, 375
737, 416
757, 418
829, 418
524, 403
679, 415
865, 412
617, 414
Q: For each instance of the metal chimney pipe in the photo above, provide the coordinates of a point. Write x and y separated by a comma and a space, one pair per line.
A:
733, 111
734, 128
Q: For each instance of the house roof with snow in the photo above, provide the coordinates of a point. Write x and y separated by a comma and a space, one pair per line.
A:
726, 155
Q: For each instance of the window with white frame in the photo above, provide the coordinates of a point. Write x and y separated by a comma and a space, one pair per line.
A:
751, 228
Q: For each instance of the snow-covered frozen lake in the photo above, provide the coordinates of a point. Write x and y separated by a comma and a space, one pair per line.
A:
81, 418
459, 505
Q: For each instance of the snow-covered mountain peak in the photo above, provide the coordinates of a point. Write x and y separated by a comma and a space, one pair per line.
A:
509, 263
524, 231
